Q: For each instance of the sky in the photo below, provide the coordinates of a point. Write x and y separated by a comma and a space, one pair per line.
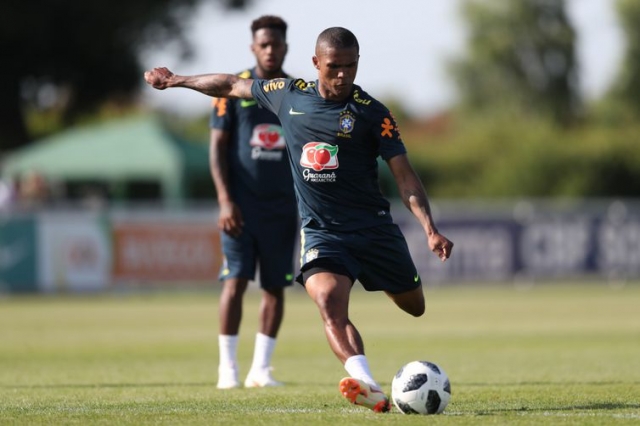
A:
405, 46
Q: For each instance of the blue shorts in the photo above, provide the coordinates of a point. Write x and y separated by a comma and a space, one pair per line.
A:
377, 257
265, 240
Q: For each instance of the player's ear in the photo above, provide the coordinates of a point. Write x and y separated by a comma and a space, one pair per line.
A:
316, 62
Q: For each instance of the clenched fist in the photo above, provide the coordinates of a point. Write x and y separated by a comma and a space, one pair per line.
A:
440, 245
158, 78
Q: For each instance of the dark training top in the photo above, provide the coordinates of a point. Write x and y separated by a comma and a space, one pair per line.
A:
258, 166
333, 149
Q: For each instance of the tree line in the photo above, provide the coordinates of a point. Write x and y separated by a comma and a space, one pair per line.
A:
68, 59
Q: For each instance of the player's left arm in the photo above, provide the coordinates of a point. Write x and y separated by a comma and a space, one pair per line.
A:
415, 199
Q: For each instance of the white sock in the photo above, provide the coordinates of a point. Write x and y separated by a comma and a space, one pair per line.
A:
358, 367
262, 352
228, 348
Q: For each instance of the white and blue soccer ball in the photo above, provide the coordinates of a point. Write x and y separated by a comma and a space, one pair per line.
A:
421, 387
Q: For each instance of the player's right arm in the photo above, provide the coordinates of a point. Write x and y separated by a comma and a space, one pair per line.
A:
216, 85
230, 217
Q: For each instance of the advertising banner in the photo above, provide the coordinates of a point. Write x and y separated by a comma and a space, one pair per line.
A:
18, 250
166, 251
74, 251
551, 245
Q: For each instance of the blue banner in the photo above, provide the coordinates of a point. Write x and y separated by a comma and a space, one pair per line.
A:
18, 270
558, 245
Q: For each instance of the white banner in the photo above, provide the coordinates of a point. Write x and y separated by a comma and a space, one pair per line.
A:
73, 252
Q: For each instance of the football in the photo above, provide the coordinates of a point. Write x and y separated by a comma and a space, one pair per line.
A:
421, 387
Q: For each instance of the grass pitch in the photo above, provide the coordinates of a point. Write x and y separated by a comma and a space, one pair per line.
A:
551, 354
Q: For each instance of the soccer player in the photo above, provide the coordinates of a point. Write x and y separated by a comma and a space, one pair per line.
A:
335, 131
258, 219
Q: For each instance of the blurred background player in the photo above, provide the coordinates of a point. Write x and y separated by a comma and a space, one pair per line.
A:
258, 219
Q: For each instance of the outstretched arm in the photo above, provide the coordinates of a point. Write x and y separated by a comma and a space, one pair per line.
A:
217, 85
415, 199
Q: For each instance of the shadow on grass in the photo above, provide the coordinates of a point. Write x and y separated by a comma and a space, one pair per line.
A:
108, 385
117, 385
592, 406
563, 384
596, 406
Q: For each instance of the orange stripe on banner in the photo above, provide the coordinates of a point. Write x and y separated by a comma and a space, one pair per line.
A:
166, 252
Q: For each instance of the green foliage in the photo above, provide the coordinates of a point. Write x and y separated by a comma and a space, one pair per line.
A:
195, 129
507, 155
547, 355
521, 130
627, 85
74, 55
521, 55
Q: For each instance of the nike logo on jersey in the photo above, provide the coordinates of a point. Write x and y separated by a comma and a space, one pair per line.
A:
246, 103
416, 278
292, 112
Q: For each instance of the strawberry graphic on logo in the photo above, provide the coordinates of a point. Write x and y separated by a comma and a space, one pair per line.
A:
319, 156
267, 136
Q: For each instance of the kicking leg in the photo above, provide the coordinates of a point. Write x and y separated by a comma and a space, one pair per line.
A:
412, 302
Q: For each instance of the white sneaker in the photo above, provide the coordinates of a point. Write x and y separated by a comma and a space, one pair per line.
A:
228, 378
261, 379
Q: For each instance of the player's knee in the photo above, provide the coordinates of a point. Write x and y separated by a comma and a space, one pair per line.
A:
411, 302
418, 310
233, 290
333, 309
273, 295
414, 308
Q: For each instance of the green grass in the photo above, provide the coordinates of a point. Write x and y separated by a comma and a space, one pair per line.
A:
551, 354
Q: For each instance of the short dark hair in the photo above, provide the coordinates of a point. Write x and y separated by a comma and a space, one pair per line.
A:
338, 37
269, 21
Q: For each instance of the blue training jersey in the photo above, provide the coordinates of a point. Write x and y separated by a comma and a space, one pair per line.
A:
333, 149
258, 166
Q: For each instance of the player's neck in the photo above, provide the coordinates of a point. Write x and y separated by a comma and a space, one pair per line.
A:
266, 75
327, 94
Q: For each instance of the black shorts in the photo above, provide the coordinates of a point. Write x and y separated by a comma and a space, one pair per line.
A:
377, 257
267, 241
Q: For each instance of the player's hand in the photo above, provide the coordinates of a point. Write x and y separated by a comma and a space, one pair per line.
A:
158, 77
440, 245
230, 220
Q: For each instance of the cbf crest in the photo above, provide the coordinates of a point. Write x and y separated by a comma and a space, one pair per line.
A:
347, 122
311, 254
